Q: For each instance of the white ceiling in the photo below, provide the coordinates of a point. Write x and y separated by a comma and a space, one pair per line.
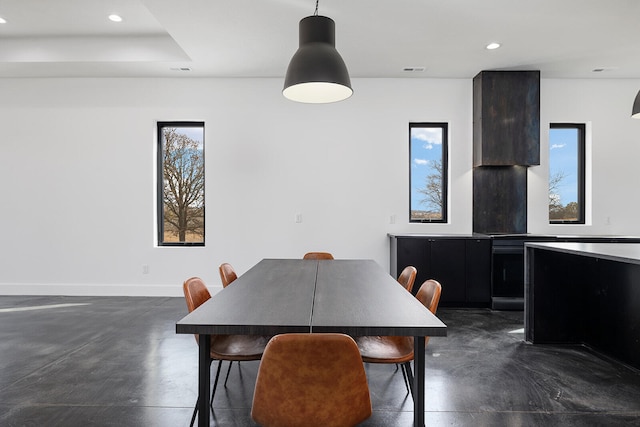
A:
376, 38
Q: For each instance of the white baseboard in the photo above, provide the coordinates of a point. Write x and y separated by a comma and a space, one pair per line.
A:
79, 289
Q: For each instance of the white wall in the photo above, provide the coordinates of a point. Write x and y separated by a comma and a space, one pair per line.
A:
77, 166
77, 172
613, 155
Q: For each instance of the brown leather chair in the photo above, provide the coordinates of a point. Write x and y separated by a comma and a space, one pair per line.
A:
429, 295
317, 255
223, 347
227, 274
407, 277
399, 349
311, 380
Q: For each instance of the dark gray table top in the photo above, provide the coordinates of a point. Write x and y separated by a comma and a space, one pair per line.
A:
358, 297
291, 295
274, 296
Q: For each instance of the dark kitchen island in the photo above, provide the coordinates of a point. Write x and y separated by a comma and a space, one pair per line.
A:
584, 293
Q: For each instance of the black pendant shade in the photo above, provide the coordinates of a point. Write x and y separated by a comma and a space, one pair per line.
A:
635, 112
317, 74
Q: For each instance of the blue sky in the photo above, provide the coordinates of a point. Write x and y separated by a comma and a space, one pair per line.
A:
563, 151
426, 146
195, 133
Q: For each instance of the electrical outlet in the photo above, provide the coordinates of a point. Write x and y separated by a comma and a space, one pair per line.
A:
145, 268
298, 218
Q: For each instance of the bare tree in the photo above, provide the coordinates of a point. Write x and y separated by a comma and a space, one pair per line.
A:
555, 204
433, 187
183, 181
571, 211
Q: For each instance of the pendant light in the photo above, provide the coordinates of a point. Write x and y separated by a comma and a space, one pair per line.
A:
317, 74
635, 112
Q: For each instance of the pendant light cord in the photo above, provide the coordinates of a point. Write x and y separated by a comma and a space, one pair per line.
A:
316, 12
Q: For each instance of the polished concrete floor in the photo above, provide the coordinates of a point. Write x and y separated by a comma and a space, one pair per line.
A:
88, 361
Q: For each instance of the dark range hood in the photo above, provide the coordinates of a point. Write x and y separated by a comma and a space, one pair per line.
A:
506, 140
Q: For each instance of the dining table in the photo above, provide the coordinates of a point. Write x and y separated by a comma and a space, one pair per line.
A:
276, 296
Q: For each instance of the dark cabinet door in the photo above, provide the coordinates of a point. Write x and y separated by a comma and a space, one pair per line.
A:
461, 265
447, 266
414, 251
478, 271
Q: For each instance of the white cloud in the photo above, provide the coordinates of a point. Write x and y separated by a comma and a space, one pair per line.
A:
557, 146
420, 161
431, 136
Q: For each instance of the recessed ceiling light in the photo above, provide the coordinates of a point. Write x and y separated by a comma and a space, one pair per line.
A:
115, 18
492, 46
2, 21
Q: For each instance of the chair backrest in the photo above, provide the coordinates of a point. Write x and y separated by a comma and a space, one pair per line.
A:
311, 380
227, 274
317, 255
407, 277
429, 296
195, 293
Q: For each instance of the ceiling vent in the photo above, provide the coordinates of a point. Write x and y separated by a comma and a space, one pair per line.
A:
414, 69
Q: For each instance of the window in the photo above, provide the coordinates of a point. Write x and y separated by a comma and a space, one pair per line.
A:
566, 173
180, 184
428, 172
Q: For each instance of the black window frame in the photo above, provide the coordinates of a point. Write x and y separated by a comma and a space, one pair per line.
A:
581, 135
160, 182
444, 126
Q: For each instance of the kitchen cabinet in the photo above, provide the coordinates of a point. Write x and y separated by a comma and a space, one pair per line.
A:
585, 293
507, 261
478, 271
460, 264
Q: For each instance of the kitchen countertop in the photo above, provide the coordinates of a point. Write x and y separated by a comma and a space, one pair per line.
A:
443, 235
629, 252
524, 236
